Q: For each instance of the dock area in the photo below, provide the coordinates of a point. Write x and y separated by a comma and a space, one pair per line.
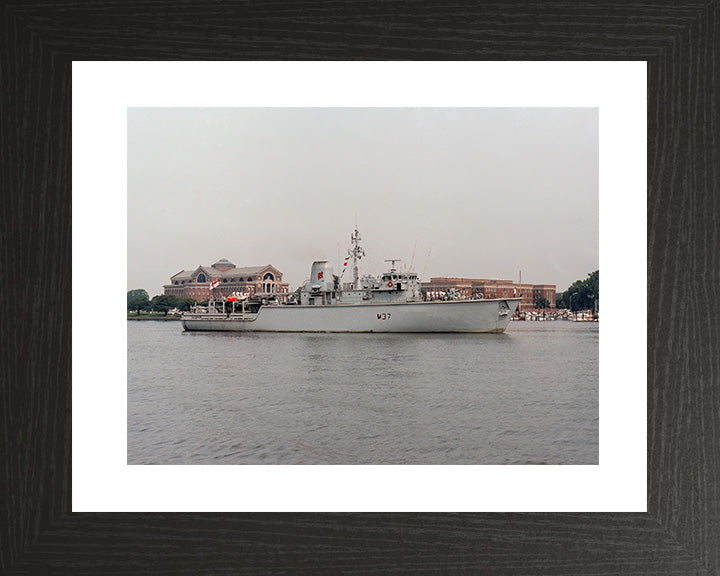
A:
553, 315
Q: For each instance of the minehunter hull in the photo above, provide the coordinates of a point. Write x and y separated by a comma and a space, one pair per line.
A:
474, 316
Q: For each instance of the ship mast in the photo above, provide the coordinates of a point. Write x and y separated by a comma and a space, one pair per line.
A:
356, 252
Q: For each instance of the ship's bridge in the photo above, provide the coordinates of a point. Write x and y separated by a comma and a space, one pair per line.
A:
388, 276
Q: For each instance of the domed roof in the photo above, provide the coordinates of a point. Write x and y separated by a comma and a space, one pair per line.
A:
223, 262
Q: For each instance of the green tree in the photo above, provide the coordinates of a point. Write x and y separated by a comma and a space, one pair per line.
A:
581, 295
592, 289
574, 295
163, 303
137, 300
542, 302
561, 300
137, 292
184, 304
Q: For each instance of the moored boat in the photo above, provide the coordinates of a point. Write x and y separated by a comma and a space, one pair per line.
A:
391, 302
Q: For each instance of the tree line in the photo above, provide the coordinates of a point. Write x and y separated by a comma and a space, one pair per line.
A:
138, 301
582, 294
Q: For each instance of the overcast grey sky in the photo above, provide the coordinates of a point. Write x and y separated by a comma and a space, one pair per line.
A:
469, 192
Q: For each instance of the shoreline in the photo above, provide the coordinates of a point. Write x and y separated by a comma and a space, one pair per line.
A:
161, 318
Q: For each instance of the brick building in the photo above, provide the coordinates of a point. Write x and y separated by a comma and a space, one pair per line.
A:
253, 280
546, 291
485, 288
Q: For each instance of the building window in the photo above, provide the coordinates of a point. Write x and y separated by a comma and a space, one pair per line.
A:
249, 279
201, 277
183, 281
224, 279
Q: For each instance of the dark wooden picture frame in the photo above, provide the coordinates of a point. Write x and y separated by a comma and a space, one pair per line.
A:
680, 533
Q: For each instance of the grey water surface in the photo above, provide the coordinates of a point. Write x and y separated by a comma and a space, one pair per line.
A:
529, 396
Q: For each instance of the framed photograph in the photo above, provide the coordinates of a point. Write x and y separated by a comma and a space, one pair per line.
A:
113, 516
435, 330
460, 176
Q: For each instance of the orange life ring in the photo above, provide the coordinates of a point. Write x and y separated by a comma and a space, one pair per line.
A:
390, 284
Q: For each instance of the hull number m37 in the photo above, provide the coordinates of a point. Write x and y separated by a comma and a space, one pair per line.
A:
383, 316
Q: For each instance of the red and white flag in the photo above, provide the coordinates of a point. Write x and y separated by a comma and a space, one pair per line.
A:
214, 284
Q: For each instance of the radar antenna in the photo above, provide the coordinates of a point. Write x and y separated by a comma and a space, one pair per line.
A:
393, 260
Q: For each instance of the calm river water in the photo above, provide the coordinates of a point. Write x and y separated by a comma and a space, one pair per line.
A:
529, 396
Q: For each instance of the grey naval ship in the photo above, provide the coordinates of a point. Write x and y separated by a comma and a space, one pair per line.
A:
391, 302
